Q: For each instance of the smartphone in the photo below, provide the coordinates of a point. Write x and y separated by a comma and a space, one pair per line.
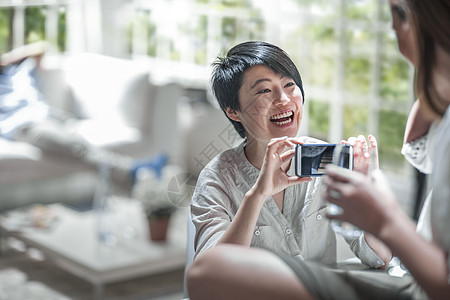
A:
311, 159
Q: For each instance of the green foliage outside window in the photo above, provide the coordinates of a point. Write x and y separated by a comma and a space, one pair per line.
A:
320, 33
256, 29
395, 83
236, 3
318, 5
390, 42
357, 74
322, 70
386, 13
200, 40
360, 10
355, 120
34, 24
390, 139
62, 30
174, 52
359, 38
35, 18
319, 112
4, 30
229, 32
152, 40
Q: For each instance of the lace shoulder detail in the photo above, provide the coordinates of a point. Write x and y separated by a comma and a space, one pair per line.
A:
416, 153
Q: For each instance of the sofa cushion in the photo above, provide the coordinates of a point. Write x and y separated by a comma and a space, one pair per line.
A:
104, 133
110, 89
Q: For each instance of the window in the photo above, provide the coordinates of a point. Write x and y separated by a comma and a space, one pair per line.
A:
66, 25
24, 22
356, 82
355, 79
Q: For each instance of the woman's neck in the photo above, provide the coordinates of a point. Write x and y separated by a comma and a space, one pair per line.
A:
442, 76
254, 151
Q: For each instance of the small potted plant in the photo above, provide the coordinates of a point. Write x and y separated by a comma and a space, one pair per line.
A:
151, 189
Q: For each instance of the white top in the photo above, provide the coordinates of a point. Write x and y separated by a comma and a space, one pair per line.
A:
416, 152
440, 180
432, 153
300, 230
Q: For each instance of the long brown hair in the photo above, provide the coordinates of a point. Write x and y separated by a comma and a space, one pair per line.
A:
431, 20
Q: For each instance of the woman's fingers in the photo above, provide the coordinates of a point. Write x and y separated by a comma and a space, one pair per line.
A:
365, 153
273, 148
296, 180
373, 142
337, 174
296, 141
361, 146
373, 150
276, 140
351, 140
279, 153
279, 144
287, 155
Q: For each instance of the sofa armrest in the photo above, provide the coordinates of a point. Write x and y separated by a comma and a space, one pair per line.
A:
18, 150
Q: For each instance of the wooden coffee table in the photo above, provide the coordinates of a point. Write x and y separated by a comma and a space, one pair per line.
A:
72, 244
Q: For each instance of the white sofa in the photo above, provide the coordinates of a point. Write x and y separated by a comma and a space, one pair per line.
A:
118, 107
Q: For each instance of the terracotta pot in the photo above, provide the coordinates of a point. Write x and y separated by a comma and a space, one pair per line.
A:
158, 228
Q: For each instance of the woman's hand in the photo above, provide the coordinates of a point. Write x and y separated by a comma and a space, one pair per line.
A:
273, 177
362, 161
367, 201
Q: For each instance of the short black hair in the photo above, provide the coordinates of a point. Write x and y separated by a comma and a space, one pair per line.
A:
228, 71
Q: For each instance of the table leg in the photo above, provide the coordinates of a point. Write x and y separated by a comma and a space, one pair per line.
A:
1, 243
98, 291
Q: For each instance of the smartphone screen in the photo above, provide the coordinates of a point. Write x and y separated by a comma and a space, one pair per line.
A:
311, 159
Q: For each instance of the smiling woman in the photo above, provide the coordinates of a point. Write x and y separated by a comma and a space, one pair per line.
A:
247, 195
273, 105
